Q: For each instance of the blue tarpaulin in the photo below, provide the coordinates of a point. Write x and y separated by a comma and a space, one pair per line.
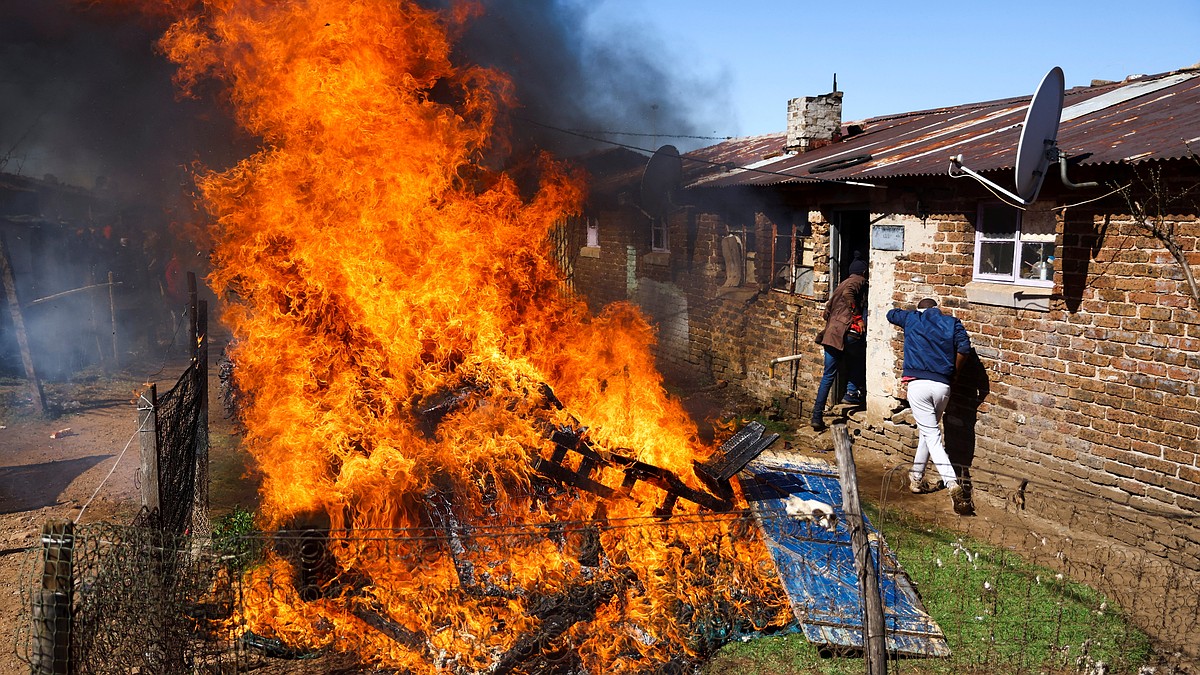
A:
816, 565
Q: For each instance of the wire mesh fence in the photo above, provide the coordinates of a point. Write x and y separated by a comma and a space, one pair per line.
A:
147, 602
1010, 591
180, 439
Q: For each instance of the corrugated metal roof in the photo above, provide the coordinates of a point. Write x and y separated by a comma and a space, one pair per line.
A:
1150, 118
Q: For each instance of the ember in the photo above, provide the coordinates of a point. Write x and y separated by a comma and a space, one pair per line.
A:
411, 365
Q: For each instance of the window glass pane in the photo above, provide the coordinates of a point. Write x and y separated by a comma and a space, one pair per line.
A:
999, 221
658, 234
784, 245
784, 278
593, 233
996, 257
1037, 261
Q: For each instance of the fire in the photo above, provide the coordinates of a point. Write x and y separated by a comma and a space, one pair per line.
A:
377, 261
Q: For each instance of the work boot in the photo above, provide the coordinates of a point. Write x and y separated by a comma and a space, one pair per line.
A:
818, 424
962, 504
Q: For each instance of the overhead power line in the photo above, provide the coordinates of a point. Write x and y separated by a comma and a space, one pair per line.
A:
728, 166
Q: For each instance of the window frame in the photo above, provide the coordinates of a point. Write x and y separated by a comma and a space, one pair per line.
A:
1019, 239
660, 236
799, 244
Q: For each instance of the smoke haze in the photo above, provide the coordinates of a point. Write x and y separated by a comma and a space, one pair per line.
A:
86, 100
83, 93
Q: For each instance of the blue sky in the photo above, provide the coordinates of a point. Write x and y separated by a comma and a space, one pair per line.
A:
896, 56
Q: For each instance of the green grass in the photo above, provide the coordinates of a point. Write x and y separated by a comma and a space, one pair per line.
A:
778, 655
999, 614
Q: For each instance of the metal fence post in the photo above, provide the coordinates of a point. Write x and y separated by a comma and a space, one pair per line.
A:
52, 602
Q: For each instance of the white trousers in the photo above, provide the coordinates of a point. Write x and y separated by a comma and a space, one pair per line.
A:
928, 401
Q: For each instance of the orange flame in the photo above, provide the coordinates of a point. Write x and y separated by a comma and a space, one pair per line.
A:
375, 259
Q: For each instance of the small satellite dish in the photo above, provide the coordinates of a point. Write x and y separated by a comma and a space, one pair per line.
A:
1037, 148
660, 181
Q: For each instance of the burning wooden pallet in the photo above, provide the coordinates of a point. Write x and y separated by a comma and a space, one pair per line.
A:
732, 456
562, 467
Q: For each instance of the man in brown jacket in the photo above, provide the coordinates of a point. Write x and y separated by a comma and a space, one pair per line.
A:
844, 340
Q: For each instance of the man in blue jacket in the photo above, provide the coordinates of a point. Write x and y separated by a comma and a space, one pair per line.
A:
935, 347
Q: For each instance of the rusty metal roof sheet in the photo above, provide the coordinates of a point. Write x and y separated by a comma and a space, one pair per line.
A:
1150, 118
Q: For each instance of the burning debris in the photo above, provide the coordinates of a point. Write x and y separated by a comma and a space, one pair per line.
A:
466, 470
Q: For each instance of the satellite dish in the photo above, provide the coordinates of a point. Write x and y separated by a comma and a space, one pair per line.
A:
660, 181
1037, 148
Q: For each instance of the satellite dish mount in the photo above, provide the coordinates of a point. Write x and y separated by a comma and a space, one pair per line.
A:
1037, 148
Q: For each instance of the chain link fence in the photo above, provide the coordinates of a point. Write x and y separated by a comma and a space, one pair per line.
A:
181, 448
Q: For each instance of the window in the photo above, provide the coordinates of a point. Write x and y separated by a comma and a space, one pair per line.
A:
593, 232
658, 234
1014, 247
737, 252
792, 260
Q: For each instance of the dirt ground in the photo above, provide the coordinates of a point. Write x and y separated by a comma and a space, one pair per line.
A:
81, 464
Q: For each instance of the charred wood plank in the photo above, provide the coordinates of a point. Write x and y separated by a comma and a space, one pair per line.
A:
669, 482
558, 613
634, 471
376, 618
568, 477
733, 456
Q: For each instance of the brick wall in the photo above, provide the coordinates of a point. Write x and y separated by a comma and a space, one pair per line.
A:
600, 272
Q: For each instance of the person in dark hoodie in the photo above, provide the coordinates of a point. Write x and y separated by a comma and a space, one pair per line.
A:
844, 341
936, 346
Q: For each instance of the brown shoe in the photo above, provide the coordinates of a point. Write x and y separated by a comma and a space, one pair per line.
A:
962, 505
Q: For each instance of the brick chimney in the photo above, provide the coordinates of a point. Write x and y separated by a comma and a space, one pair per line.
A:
813, 122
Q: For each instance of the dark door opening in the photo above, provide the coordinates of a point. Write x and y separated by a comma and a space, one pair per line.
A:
850, 235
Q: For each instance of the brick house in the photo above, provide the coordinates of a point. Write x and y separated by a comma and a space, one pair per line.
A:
1086, 328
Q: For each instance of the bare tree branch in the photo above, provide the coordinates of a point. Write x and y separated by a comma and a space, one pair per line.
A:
1152, 214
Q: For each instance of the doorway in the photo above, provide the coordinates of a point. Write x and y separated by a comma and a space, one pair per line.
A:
849, 236
849, 233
